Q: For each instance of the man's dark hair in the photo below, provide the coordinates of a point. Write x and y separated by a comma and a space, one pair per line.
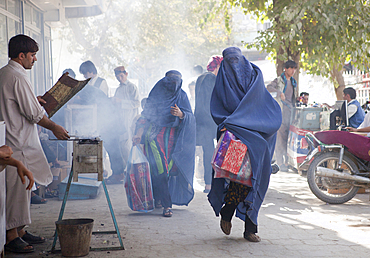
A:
350, 91
71, 73
21, 44
304, 94
88, 67
198, 69
290, 64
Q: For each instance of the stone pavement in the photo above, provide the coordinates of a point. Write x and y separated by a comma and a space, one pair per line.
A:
292, 223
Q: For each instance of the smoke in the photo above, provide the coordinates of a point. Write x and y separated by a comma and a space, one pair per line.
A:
148, 37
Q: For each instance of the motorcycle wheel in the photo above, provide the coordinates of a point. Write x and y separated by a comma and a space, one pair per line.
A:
315, 182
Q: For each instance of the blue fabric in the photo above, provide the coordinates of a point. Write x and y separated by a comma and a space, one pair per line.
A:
357, 119
241, 104
165, 94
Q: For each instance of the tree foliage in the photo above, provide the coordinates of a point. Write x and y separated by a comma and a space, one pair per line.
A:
319, 34
148, 36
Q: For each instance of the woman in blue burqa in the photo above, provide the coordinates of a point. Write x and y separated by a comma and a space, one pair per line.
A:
241, 104
167, 130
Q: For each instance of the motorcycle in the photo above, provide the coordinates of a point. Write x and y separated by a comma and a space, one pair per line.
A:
340, 165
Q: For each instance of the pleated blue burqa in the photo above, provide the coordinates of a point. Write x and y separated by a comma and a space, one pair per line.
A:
165, 94
241, 104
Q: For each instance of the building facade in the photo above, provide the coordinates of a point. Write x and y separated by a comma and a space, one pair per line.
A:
35, 19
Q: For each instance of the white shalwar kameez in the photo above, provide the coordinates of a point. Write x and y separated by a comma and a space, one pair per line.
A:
21, 112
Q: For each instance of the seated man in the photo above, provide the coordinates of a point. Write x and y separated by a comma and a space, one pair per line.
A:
355, 113
302, 100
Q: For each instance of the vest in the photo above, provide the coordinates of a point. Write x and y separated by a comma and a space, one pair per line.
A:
98, 82
358, 117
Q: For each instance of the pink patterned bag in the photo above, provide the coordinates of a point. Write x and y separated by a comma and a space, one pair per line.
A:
231, 160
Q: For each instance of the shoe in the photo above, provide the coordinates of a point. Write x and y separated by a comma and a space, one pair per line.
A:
158, 204
35, 199
32, 239
251, 237
283, 167
114, 179
18, 245
225, 226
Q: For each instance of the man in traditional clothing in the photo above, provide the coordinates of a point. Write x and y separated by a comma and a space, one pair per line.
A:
206, 127
127, 96
6, 159
21, 111
285, 88
128, 101
88, 70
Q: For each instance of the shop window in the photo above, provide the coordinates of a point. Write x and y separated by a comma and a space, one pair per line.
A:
14, 28
36, 18
27, 13
3, 42
14, 7
2, 4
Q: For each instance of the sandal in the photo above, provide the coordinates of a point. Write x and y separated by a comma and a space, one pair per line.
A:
32, 239
167, 212
18, 245
251, 237
35, 199
225, 226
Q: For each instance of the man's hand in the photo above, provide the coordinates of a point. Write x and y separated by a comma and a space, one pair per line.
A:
41, 100
282, 96
22, 172
60, 132
176, 111
57, 130
351, 129
5, 152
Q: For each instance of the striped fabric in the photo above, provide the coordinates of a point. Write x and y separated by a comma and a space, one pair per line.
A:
159, 150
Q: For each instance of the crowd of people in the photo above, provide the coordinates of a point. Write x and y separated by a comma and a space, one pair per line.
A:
230, 95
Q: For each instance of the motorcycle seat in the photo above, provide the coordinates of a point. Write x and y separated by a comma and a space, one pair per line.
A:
358, 145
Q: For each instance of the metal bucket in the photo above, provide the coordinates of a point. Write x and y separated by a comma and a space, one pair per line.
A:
74, 236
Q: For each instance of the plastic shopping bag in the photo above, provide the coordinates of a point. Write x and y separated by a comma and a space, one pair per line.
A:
138, 182
231, 160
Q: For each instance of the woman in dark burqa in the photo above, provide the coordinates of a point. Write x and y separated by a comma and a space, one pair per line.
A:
167, 130
241, 104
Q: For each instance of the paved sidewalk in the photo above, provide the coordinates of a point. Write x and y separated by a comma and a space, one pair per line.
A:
292, 223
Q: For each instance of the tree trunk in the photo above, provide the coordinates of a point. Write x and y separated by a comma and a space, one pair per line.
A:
337, 77
296, 57
279, 63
